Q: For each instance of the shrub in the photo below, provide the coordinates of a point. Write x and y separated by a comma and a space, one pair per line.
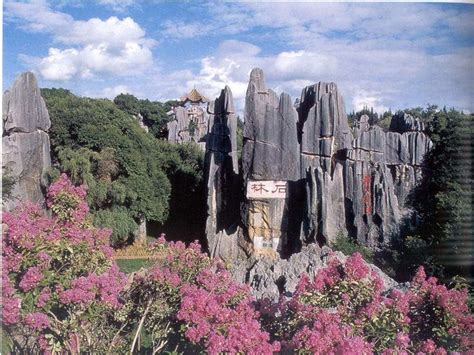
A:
344, 309
62, 293
59, 284
187, 299
348, 247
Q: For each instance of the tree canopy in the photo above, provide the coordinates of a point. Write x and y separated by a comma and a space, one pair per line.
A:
153, 112
126, 169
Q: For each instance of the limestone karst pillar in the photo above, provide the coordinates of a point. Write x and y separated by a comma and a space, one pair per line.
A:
222, 179
25, 142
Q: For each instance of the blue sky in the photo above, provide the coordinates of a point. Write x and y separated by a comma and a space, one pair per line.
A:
385, 55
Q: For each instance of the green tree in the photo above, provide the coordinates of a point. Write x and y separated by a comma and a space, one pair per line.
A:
154, 113
126, 169
443, 199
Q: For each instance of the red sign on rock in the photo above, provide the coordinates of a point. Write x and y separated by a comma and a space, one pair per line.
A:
367, 194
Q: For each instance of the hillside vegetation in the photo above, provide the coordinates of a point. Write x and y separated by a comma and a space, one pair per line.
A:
129, 173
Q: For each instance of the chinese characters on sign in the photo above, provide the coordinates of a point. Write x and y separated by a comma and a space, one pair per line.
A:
262, 243
266, 189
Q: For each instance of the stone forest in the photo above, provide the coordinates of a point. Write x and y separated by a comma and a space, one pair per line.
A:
277, 214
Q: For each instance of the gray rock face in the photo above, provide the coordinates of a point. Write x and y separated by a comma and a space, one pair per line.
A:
222, 176
325, 135
25, 142
270, 152
188, 124
271, 149
336, 181
352, 183
24, 108
275, 278
404, 122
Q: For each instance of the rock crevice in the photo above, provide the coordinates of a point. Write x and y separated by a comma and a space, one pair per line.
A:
337, 181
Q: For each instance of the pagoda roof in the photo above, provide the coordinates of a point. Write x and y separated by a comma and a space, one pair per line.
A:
194, 96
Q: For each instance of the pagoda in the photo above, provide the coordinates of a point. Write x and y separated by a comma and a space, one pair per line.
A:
194, 97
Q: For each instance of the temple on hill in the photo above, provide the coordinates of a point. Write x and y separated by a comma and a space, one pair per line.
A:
194, 97
189, 121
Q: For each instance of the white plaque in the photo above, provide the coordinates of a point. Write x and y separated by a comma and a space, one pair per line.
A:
260, 243
266, 189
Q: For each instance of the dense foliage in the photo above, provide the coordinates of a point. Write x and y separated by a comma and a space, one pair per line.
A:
154, 113
126, 169
444, 197
63, 293
344, 310
442, 202
59, 284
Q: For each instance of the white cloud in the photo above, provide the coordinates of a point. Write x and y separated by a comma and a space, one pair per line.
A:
364, 99
112, 92
380, 55
69, 63
118, 5
61, 65
112, 46
182, 30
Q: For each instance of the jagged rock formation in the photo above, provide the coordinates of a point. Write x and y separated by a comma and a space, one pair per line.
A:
270, 278
381, 169
270, 152
222, 177
188, 124
25, 141
307, 177
324, 134
338, 181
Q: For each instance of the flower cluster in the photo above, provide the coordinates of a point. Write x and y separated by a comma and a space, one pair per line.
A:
154, 294
219, 314
328, 334
440, 317
57, 272
344, 310
63, 293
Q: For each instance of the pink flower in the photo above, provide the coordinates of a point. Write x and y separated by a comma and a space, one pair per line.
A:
31, 278
37, 321
43, 297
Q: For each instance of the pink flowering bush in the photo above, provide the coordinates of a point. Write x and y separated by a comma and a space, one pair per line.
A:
59, 282
344, 310
189, 301
218, 313
440, 317
63, 293
153, 298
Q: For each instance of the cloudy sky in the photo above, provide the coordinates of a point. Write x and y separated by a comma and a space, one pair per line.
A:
383, 55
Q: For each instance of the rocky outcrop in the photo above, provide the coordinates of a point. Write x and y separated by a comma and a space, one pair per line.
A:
380, 171
274, 278
307, 177
325, 135
270, 152
271, 149
25, 141
338, 181
222, 177
188, 124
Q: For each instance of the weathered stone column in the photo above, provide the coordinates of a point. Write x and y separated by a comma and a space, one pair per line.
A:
222, 177
25, 142
325, 135
271, 168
